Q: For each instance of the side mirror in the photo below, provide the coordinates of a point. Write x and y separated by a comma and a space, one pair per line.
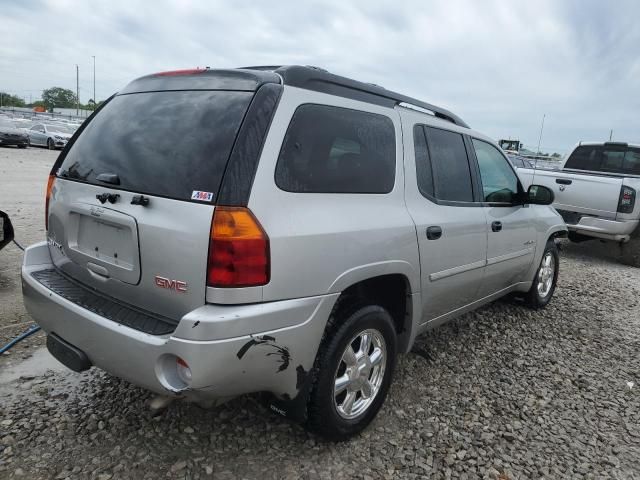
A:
539, 195
6, 230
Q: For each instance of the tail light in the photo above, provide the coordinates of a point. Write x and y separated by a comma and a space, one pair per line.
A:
50, 182
627, 199
238, 249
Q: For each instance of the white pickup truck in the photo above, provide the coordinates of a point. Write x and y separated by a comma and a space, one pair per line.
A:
595, 190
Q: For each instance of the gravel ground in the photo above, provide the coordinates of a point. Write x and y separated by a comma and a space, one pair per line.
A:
500, 393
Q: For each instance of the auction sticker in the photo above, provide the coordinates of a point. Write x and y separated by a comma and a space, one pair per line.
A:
202, 196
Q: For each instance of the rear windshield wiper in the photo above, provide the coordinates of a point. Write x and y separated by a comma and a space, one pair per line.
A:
111, 178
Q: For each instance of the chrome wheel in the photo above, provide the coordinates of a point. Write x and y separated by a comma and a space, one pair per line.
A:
360, 373
546, 274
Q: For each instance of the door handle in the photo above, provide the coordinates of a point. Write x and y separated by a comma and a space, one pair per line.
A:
563, 181
434, 232
496, 226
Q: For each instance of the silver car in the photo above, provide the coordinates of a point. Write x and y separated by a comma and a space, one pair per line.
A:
282, 230
49, 135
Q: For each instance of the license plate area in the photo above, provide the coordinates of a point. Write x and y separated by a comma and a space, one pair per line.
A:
105, 241
106, 238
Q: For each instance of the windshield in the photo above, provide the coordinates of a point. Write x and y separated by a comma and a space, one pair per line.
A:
170, 143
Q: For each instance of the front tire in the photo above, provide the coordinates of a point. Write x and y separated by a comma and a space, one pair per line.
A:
50, 144
544, 283
352, 371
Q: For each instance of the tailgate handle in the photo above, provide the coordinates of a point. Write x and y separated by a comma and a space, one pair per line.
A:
98, 270
563, 181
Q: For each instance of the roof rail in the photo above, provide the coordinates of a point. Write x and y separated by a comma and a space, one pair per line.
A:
320, 80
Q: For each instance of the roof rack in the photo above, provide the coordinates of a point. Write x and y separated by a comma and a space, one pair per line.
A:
320, 80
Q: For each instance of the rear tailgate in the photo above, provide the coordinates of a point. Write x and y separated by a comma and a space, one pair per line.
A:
152, 257
130, 211
590, 194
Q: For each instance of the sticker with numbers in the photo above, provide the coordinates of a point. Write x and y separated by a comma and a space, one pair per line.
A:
202, 196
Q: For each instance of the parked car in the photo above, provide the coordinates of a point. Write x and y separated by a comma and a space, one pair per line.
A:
595, 190
10, 134
6, 230
212, 233
49, 135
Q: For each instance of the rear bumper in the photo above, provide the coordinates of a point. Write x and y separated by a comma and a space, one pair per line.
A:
231, 350
619, 231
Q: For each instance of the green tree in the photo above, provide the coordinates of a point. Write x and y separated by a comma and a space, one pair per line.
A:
58, 97
7, 100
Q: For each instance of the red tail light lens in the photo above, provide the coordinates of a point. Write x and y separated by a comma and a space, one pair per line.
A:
50, 182
238, 249
627, 199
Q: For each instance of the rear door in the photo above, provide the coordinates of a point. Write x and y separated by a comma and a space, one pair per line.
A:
36, 135
131, 208
451, 226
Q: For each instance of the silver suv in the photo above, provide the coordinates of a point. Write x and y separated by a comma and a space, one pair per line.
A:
281, 230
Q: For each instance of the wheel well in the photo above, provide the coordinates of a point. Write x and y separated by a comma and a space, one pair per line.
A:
391, 292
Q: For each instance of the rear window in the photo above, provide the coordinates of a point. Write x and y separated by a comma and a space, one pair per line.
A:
337, 150
605, 158
171, 144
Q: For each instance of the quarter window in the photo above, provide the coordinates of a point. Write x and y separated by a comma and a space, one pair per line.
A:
337, 150
499, 181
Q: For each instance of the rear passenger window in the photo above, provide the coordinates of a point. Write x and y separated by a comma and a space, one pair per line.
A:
337, 150
450, 165
585, 157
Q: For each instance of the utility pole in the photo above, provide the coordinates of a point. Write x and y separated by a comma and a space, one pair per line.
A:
77, 91
540, 137
610, 134
95, 101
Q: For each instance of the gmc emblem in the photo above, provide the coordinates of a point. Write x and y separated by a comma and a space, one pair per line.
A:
177, 285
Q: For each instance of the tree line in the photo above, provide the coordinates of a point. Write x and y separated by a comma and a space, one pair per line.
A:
52, 98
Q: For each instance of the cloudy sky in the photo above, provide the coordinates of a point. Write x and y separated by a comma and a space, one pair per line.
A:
500, 65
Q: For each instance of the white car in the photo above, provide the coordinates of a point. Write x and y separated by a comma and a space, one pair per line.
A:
49, 135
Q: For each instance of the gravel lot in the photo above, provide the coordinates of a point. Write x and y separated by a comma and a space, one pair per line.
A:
503, 392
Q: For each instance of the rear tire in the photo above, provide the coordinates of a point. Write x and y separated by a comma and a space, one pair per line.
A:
546, 278
352, 372
630, 251
50, 144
